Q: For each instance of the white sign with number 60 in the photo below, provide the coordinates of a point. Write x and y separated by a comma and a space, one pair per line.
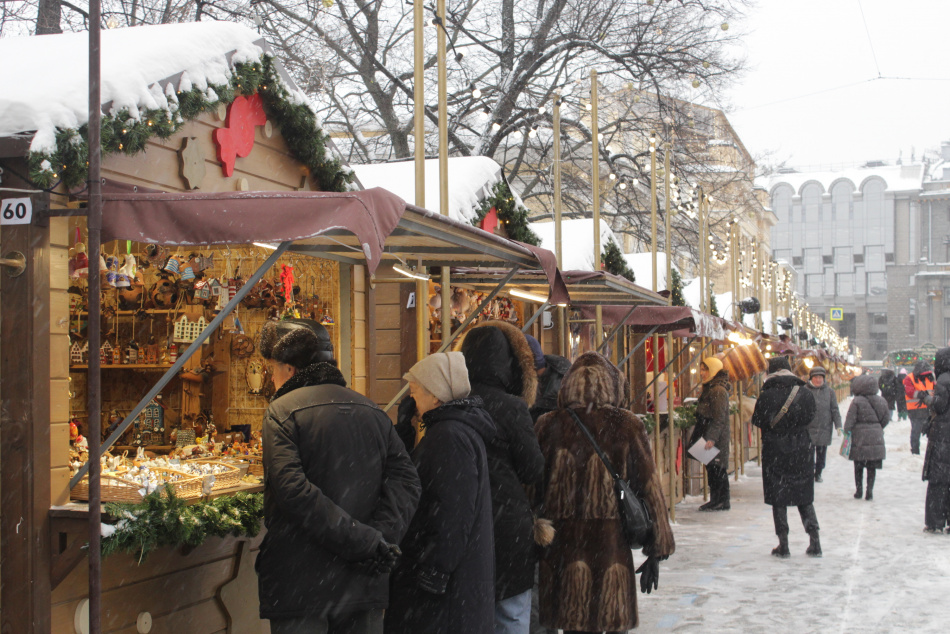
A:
16, 211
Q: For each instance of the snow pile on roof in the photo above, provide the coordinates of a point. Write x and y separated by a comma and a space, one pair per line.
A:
723, 300
577, 241
134, 60
471, 179
896, 177
642, 266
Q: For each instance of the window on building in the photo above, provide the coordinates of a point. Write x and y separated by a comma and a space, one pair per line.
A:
827, 260
859, 258
946, 297
874, 258
842, 260
814, 285
841, 208
877, 284
797, 261
889, 258
879, 319
844, 285
860, 281
874, 206
813, 261
912, 319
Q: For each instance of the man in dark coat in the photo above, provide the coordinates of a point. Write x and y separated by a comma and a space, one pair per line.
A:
919, 381
937, 459
445, 580
788, 466
892, 389
501, 370
339, 491
551, 370
827, 415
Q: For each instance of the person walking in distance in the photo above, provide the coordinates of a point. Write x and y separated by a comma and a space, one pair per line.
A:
783, 411
936, 471
827, 415
892, 389
339, 491
920, 380
867, 417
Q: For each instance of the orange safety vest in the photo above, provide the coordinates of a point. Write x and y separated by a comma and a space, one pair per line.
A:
919, 386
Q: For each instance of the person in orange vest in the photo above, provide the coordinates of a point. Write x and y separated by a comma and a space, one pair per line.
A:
921, 380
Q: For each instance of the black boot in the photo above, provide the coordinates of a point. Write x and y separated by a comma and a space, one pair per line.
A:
818, 476
714, 489
858, 481
782, 549
723, 504
870, 491
814, 546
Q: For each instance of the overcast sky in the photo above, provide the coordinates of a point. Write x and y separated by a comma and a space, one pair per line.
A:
811, 96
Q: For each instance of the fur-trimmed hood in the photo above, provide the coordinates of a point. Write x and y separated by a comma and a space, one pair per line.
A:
497, 354
592, 381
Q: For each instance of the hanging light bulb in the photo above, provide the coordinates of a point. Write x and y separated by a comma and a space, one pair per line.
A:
496, 126
476, 93
612, 176
542, 110
588, 107
623, 185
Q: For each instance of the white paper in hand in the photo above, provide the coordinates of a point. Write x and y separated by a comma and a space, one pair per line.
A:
699, 451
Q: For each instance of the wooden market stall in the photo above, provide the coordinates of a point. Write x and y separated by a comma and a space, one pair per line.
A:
189, 278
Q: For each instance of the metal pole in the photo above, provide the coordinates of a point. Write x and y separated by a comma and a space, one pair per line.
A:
418, 101
443, 161
595, 183
613, 333
670, 426
653, 206
422, 317
94, 380
535, 316
668, 231
646, 337
561, 311
668, 363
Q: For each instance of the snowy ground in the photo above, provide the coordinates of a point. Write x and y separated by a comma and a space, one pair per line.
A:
879, 573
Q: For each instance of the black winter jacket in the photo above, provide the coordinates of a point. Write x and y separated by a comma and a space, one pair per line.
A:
514, 456
866, 419
548, 385
337, 480
712, 417
937, 456
449, 542
788, 465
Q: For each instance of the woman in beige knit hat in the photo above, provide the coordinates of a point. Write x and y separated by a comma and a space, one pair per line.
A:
445, 579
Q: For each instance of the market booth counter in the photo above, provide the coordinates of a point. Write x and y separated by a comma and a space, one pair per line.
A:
192, 314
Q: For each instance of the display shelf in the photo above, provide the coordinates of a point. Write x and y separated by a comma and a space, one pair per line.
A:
127, 366
150, 311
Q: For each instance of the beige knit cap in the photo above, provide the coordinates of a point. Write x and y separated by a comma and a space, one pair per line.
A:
444, 374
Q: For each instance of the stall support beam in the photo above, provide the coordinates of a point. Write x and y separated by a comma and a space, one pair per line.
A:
638, 346
670, 401
613, 333
535, 316
25, 591
187, 354
448, 341
656, 371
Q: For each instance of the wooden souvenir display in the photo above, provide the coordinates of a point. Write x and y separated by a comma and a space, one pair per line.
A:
191, 163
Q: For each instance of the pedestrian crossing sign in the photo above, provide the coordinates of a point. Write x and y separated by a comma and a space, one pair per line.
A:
837, 314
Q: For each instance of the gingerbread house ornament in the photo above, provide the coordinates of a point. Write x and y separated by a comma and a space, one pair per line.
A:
76, 353
105, 353
186, 330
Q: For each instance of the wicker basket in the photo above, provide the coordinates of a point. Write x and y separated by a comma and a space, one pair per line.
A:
257, 465
118, 489
225, 480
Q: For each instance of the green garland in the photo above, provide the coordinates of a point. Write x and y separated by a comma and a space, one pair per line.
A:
513, 215
713, 308
612, 261
676, 289
122, 133
164, 519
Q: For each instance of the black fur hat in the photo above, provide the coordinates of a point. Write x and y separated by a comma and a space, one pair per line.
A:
296, 342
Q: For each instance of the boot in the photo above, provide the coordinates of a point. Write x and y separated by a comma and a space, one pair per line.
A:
870, 491
713, 492
859, 493
723, 504
782, 549
814, 546
858, 482
818, 476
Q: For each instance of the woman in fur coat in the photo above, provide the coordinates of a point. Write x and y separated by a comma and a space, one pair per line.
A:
587, 579
867, 417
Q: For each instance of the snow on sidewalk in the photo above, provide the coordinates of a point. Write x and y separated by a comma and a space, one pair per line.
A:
880, 571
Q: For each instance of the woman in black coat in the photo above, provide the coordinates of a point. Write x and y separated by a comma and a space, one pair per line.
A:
712, 423
788, 463
937, 458
501, 370
445, 579
867, 417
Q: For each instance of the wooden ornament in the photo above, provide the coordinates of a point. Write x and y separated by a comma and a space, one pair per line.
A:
191, 161
237, 137
242, 185
268, 129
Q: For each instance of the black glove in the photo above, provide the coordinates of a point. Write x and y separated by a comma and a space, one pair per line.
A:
649, 575
383, 560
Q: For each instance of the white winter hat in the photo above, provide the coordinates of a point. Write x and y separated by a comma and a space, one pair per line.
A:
444, 374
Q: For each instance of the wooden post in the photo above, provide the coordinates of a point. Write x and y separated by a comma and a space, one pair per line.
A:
24, 430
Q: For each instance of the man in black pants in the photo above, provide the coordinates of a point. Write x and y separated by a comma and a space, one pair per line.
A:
826, 415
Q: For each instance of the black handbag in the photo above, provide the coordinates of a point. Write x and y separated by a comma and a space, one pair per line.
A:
634, 515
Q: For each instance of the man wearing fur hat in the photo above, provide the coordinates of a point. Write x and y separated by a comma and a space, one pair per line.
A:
339, 492
826, 415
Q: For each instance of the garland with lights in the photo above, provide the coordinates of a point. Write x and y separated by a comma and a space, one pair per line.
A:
612, 261
123, 133
676, 289
713, 308
513, 215
164, 519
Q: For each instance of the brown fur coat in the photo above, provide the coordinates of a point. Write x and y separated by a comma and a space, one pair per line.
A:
587, 578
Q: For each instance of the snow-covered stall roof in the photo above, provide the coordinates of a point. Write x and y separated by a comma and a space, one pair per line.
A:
577, 241
642, 266
471, 179
134, 61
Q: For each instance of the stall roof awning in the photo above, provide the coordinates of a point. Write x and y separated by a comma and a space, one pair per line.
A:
584, 287
356, 227
668, 319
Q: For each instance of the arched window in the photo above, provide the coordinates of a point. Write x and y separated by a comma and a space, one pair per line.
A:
841, 208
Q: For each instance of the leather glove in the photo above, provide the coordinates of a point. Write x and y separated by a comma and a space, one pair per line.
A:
649, 574
383, 560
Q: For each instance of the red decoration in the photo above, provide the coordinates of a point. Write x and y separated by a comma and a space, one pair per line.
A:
287, 279
490, 221
649, 353
679, 455
236, 138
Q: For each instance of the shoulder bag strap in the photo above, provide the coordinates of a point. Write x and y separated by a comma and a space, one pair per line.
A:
788, 403
603, 456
